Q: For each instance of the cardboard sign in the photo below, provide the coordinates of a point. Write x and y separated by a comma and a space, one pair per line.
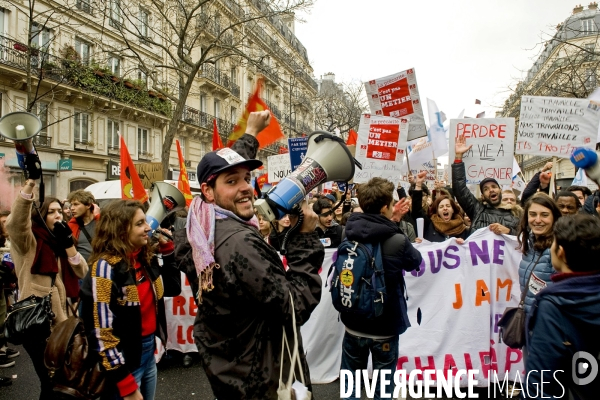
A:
492, 153
555, 126
297, 148
279, 167
380, 148
149, 173
397, 96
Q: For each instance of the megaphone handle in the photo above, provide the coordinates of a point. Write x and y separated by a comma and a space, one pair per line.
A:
286, 237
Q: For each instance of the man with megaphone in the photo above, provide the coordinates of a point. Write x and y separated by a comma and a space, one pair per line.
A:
241, 286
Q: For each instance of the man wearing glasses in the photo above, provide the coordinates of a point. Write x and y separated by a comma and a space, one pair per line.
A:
330, 232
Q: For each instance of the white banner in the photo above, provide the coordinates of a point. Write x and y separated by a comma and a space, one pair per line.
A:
397, 96
437, 133
492, 153
379, 148
279, 167
555, 126
454, 304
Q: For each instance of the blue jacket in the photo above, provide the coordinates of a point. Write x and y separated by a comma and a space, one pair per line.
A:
565, 320
398, 256
542, 272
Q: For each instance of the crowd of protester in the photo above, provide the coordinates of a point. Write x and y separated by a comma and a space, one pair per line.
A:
111, 277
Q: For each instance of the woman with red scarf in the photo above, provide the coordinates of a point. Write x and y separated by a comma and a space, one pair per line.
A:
45, 261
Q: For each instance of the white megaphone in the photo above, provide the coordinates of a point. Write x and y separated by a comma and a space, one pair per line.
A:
327, 159
165, 198
21, 127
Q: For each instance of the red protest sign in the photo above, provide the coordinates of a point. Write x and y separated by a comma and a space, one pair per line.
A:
383, 142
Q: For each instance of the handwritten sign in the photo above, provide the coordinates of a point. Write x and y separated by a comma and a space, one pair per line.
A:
298, 148
279, 167
397, 96
379, 148
555, 126
149, 173
492, 153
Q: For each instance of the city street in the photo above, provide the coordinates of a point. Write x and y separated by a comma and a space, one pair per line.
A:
175, 382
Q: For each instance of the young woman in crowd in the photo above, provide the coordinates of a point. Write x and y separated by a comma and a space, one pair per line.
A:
123, 306
264, 226
443, 220
45, 261
535, 238
280, 227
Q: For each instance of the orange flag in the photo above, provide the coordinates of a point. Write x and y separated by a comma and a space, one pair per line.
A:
183, 184
352, 138
217, 143
131, 184
262, 179
267, 136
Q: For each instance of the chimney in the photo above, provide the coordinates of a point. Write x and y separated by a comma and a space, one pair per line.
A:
329, 76
593, 6
577, 9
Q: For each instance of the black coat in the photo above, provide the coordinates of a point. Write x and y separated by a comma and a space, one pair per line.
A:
482, 214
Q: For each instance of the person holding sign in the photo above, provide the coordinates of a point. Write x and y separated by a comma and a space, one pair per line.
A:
443, 220
489, 212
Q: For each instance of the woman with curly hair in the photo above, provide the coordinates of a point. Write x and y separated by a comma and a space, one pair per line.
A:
123, 306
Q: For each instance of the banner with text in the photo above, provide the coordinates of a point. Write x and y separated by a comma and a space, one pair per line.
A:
279, 167
379, 148
555, 126
492, 153
397, 96
456, 301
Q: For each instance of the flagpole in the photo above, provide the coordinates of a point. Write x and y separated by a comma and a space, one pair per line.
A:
552, 179
407, 162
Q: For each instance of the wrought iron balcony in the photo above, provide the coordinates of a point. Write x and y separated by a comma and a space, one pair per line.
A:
42, 141
145, 155
204, 120
209, 72
114, 150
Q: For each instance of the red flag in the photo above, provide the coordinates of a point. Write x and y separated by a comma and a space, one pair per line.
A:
217, 143
131, 184
481, 115
183, 183
267, 136
262, 179
352, 138
477, 101
283, 150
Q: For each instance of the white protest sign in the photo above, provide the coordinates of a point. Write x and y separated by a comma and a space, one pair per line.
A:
453, 297
492, 153
555, 126
397, 96
279, 167
379, 148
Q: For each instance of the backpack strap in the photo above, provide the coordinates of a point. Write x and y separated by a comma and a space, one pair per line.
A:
58, 344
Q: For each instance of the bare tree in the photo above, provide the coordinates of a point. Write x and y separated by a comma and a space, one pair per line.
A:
340, 106
188, 38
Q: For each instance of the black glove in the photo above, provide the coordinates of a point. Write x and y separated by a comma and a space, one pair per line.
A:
33, 166
63, 234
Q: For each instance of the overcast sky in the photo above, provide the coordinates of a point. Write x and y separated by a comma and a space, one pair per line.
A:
461, 50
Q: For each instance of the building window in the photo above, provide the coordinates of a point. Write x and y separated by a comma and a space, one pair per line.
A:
84, 5
82, 127
79, 183
217, 105
143, 144
41, 110
113, 139
115, 13
233, 114
233, 75
83, 48
590, 79
588, 25
142, 77
203, 103
40, 37
114, 63
143, 24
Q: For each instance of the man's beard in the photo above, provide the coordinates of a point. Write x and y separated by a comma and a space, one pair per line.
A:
496, 204
233, 208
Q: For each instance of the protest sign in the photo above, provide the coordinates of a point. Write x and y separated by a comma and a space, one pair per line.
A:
279, 167
492, 153
379, 148
297, 148
437, 133
181, 312
397, 96
555, 126
149, 173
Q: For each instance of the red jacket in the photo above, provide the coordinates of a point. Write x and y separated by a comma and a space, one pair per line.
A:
75, 226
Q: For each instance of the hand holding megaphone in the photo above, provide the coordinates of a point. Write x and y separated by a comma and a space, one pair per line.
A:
309, 223
33, 166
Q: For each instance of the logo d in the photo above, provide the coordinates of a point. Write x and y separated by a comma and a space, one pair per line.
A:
580, 367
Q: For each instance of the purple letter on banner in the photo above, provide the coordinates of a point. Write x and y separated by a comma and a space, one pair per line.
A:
482, 253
